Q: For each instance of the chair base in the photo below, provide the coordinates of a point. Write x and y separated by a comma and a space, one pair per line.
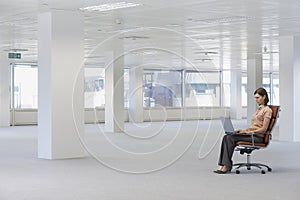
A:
248, 150
249, 165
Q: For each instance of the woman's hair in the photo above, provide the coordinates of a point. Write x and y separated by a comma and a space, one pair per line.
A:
262, 92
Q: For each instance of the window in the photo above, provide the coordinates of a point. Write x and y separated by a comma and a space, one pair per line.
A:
202, 89
94, 87
271, 84
226, 88
126, 88
244, 89
94, 91
275, 90
25, 86
162, 88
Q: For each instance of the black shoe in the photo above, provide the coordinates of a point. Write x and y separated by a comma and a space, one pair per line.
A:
222, 172
217, 171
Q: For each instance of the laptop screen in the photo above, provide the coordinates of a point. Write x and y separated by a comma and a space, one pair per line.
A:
227, 125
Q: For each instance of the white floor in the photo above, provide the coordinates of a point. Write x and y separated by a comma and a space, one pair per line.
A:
152, 161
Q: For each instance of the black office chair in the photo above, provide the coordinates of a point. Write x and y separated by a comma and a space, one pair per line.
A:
248, 147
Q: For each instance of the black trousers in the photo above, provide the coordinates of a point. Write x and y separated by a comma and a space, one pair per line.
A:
228, 145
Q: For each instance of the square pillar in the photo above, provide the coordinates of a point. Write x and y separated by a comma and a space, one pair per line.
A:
289, 87
254, 81
136, 109
61, 83
236, 110
114, 91
4, 90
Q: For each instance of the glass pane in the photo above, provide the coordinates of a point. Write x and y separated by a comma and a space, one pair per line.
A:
226, 88
94, 91
275, 95
267, 83
26, 87
202, 89
126, 88
162, 88
244, 90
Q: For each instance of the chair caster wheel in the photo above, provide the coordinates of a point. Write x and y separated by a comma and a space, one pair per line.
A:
263, 172
248, 168
237, 171
269, 169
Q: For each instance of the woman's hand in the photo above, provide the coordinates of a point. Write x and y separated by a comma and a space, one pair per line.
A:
243, 131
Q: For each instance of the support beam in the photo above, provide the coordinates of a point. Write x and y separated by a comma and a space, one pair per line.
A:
289, 87
254, 81
60, 79
114, 91
136, 111
236, 110
4, 90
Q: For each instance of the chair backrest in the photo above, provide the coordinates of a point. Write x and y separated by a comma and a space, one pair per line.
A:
275, 111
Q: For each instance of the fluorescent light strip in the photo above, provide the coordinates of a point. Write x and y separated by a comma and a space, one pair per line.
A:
111, 6
228, 19
137, 52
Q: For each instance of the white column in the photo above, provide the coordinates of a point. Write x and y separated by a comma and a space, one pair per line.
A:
289, 87
114, 91
136, 110
4, 90
236, 110
60, 79
254, 81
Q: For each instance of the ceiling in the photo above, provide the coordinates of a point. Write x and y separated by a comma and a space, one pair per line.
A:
174, 34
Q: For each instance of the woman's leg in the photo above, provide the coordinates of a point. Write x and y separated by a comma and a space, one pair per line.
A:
228, 145
227, 148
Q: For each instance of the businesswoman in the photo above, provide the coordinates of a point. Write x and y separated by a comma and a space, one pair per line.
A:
259, 124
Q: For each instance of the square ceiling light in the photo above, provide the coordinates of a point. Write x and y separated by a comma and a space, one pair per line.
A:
110, 6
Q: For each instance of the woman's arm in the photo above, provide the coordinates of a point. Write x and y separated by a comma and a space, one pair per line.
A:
257, 130
259, 123
262, 129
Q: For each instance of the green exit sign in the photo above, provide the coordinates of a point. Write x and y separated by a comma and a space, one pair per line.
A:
14, 55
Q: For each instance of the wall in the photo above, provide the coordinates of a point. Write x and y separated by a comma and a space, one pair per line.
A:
29, 116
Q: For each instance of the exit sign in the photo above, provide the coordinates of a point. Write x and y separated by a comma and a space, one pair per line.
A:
14, 55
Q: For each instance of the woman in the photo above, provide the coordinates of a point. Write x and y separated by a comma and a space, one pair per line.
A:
259, 124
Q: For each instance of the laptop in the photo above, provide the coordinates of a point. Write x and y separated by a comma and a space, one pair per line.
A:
227, 126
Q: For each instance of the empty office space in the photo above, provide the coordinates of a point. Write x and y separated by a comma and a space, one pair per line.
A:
122, 100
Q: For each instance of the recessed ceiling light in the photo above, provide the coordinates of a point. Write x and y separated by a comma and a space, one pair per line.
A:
110, 6
228, 19
90, 56
268, 52
204, 59
172, 25
15, 49
133, 37
126, 30
143, 52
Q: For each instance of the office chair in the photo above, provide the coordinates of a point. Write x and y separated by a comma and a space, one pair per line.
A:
248, 147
